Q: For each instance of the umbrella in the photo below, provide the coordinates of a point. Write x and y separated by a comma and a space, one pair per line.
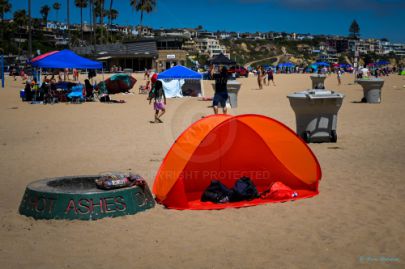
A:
345, 65
287, 64
383, 62
221, 59
321, 64
119, 83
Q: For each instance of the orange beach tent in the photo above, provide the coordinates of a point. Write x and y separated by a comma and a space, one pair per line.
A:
225, 148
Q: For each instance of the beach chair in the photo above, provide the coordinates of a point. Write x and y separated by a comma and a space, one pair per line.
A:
76, 95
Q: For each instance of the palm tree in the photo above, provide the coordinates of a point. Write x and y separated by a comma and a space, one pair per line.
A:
5, 7
56, 6
99, 12
20, 20
109, 19
134, 4
145, 6
20, 17
29, 30
112, 15
68, 17
93, 17
44, 12
81, 4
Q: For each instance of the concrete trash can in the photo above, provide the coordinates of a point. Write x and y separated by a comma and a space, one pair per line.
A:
233, 87
316, 114
318, 81
371, 89
233, 90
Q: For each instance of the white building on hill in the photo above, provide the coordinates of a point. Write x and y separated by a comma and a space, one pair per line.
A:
210, 47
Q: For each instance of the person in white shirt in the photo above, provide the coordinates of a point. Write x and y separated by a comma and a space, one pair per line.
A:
365, 72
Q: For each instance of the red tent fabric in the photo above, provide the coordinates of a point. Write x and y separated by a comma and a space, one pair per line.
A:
225, 148
43, 56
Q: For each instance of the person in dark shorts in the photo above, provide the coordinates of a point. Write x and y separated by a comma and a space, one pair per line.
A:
221, 90
270, 77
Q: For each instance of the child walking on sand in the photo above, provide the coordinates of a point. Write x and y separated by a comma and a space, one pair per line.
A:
159, 101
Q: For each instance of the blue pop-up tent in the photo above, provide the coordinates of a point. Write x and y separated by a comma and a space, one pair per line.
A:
321, 64
65, 59
383, 62
176, 82
179, 72
287, 64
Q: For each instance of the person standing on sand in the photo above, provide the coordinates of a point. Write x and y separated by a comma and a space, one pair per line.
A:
14, 71
221, 90
159, 101
75, 74
339, 75
270, 76
66, 74
259, 77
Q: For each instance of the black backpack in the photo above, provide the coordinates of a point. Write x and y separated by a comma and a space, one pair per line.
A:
244, 189
216, 192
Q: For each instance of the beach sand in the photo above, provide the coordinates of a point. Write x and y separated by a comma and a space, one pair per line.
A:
357, 220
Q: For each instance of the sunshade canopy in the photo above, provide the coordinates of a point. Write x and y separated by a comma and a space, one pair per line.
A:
321, 64
286, 64
119, 83
179, 72
225, 148
383, 62
64, 59
221, 59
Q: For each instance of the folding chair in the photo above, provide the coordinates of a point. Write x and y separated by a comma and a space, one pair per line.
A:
76, 95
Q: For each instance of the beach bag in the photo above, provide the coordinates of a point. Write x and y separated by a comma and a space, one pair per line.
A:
244, 189
279, 191
216, 192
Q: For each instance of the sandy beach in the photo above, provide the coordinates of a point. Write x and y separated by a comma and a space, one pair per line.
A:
357, 220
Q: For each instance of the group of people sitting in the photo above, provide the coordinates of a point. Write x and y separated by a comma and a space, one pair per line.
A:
51, 92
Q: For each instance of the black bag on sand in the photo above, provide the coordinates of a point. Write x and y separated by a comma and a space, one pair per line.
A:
216, 192
244, 189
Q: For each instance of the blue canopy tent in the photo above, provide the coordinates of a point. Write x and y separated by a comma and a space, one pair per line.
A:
321, 64
178, 77
66, 59
344, 65
383, 62
286, 64
179, 72
316, 65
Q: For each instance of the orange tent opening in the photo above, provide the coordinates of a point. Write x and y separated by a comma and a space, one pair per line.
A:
225, 148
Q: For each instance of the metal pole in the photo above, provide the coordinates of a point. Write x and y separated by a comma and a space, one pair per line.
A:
68, 21
29, 30
2, 70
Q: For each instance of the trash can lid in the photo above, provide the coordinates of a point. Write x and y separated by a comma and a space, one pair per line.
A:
315, 94
235, 82
368, 79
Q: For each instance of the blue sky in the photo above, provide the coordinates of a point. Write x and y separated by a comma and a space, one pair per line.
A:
377, 18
